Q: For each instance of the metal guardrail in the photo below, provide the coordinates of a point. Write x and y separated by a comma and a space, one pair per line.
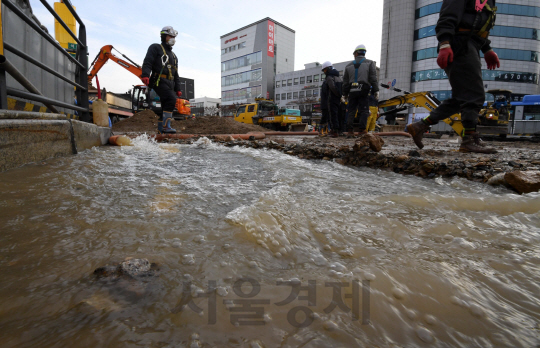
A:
80, 61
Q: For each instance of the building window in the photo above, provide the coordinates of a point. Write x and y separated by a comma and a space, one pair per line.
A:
277, 84
302, 94
289, 96
322, 77
316, 78
277, 96
308, 79
240, 62
315, 93
289, 82
241, 94
308, 93
283, 96
283, 83
295, 95
302, 80
295, 81
498, 30
503, 53
510, 9
243, 77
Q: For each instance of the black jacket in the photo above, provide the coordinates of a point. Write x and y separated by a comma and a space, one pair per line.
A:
456, 14
152, 64
333, 85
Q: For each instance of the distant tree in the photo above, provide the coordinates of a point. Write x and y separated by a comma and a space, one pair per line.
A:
211, 111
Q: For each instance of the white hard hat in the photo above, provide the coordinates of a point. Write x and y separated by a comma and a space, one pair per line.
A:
360, 47
326, 65
168, 30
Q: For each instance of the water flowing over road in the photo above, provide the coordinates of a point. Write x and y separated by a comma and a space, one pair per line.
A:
256, 248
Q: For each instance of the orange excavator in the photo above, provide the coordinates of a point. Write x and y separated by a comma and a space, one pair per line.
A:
151, 100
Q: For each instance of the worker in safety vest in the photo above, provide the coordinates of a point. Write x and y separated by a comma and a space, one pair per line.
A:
160, 72
359, 78
462, 31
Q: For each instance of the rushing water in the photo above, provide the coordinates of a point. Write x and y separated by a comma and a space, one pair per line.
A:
295, 252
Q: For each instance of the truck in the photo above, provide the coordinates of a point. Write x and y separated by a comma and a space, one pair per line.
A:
266, 113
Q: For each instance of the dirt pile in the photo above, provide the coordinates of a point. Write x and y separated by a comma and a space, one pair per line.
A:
146, 122
216, 125
141, 122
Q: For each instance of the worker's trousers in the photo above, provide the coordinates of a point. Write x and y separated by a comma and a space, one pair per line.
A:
465, 77
166, 94
358, 108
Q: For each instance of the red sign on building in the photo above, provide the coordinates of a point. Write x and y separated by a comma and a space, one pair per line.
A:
271, 38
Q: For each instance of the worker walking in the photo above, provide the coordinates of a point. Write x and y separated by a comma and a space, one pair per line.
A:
160, 72
359, 78
462, 31
330, 97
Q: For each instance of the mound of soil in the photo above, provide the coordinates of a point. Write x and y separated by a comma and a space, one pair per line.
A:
141, 122
146, 122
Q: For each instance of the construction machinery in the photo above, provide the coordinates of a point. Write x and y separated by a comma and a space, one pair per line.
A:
495, 117
142, 97
419, 100
266, 113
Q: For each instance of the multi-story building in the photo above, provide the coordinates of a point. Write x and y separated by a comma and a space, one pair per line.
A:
205, 106
250, 58
409, 48
300, 89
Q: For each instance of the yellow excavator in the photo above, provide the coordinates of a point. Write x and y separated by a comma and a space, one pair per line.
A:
419, 100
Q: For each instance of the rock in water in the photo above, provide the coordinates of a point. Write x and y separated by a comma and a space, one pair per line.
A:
130, 267
524, 182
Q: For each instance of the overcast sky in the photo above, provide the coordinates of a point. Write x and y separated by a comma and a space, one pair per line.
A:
325, 30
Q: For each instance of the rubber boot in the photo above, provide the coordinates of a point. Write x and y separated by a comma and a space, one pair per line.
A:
350, 133
417, 131
160, 127
473, 143
167, 118
323, 130
334, 134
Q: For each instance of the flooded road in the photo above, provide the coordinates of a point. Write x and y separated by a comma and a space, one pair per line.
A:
259, 249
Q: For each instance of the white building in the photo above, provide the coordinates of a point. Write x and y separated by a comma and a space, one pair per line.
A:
205, 106
300, 89
250, 58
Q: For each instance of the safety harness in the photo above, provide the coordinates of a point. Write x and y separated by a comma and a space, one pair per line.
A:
164, 61
357, 87
490, 23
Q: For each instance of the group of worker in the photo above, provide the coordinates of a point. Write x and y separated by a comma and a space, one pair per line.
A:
462, 31
345, 100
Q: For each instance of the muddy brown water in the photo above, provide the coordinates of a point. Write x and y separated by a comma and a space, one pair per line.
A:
259, 249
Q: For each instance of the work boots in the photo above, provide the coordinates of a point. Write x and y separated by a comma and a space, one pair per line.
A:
323, 129
165, 125
473, 143
417, 131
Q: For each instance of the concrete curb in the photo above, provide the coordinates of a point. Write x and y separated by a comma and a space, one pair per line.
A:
24, 140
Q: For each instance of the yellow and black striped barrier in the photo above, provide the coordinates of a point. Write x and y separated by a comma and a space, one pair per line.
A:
19, 105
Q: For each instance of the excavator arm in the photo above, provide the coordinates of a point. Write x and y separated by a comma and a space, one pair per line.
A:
421, 100
105, 53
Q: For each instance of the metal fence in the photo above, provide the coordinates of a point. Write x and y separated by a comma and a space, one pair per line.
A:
31, 57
